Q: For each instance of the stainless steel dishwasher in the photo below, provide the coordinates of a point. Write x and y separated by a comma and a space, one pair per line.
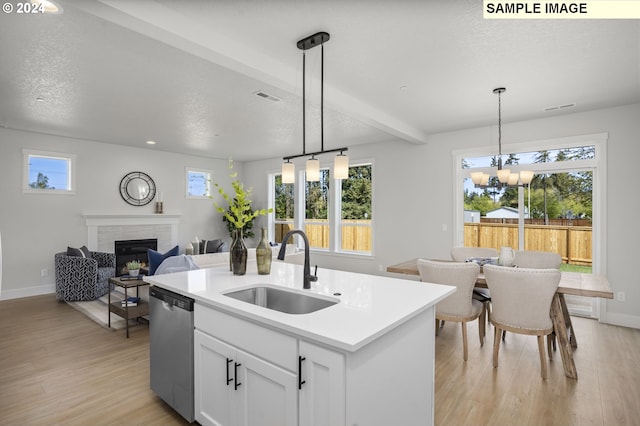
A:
171, 349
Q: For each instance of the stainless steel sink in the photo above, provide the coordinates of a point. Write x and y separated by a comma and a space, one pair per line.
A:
282, 300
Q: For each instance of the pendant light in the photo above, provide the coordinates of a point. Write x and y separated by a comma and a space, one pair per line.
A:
341, 164
505, 177
503, 174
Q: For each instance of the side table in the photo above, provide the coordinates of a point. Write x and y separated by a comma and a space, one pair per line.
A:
127, 312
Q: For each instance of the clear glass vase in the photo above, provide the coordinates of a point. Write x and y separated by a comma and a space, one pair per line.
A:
263, 254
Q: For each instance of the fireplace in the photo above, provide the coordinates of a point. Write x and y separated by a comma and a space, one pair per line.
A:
129, 250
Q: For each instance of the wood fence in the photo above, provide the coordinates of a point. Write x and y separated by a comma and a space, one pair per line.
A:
573, 243
356, 234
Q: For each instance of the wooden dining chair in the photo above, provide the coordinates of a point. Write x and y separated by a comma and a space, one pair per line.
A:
521, 299
462, 254
460, 306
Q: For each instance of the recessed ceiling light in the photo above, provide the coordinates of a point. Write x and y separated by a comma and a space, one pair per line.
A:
151, 142
557, 107
403, 88
49, 6
266, 95
39, 99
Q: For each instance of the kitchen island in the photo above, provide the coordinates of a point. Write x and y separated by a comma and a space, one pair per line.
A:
366, 360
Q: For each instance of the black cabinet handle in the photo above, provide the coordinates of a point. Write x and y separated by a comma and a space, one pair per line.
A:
229, 361
236, 383
300, 381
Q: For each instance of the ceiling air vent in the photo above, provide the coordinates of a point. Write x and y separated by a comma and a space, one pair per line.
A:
267, 96
558, 107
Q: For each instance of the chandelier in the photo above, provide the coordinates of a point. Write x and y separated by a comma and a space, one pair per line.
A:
505, 177
341, 163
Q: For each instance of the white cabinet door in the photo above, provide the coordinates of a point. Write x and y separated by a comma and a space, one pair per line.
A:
322, 395
267, 395
233, 387
214, 365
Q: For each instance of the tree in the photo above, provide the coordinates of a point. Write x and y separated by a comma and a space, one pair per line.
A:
42, 182
316, 197
284, 200
481, 202
356, 193
544, 204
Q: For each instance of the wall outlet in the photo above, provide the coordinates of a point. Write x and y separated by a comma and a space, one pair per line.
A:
381, 268
44, 272
620, 296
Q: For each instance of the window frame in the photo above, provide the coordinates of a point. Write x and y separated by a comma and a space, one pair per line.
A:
598, 165
334, 214
208, 183
71, 160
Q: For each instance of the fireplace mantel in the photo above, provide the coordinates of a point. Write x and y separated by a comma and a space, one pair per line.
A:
131, 219
142, 224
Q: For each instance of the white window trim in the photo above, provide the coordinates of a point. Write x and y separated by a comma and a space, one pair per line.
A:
334, 214
71, 172
598, 165
186, 183
338, 212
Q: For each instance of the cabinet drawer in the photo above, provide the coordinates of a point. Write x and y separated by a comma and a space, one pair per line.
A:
263, 342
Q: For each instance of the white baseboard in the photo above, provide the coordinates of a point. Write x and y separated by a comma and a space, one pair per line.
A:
632, 321
27, 292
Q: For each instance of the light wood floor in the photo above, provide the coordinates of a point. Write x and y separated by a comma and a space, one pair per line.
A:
58, 367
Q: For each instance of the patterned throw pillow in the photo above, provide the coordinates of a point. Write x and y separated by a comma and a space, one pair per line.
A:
81, 252
156, 258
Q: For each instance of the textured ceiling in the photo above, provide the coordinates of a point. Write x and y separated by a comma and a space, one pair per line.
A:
185, 73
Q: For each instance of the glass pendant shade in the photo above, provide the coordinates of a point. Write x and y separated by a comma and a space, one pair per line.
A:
288, 172
313, 170
513, 179
503, 175
341, 167
526, 176
476, 178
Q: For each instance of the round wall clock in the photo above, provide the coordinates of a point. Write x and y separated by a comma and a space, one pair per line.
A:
137, 188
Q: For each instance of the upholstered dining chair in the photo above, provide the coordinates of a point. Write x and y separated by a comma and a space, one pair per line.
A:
460, 306
521, 299
537, 259
461, 254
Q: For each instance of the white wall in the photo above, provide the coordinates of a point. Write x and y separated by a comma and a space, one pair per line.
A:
36, 226
413, 187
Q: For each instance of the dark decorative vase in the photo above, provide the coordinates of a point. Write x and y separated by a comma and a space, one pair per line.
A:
234, 237
263, 254
238, 253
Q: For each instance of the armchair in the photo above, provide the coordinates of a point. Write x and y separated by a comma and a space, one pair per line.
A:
83, 278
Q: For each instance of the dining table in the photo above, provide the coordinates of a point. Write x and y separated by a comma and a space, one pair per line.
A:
573, 283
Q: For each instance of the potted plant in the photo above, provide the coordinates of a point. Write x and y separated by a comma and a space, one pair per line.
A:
133, 267
238, 214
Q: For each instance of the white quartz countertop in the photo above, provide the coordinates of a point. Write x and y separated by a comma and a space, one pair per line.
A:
369, 305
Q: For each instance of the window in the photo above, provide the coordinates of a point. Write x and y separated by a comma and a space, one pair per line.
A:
562, 211
48, 172
198, 183
283, 208
356, 214
336, 216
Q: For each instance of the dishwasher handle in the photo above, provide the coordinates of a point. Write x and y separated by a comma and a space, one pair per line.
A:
171, 299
